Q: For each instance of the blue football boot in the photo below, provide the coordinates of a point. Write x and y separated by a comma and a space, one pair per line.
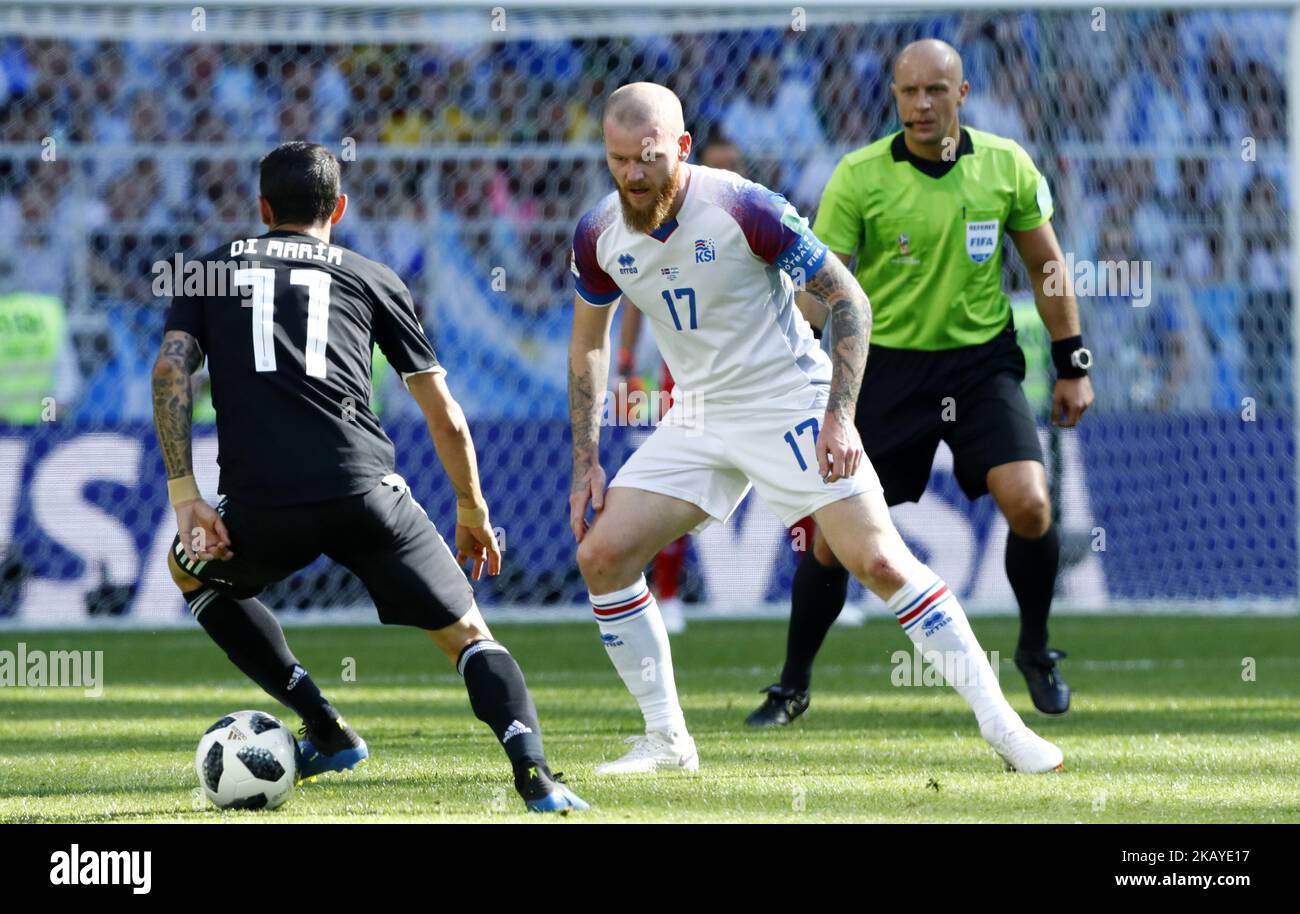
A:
331, 749
544, 792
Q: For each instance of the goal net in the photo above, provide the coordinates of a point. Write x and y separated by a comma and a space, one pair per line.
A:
470, 135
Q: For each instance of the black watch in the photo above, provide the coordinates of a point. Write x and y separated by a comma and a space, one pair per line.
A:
1070, 358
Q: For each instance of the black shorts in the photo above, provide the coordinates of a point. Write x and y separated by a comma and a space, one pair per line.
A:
969, 397
382, 536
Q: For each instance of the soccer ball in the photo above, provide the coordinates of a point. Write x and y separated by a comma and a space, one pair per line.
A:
247, 760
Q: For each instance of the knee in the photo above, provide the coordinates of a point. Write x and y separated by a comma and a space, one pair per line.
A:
1029, 513
603, 564
879, 570
884, 573
457, 637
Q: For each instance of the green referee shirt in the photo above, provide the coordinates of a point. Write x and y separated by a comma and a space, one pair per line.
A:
930, 248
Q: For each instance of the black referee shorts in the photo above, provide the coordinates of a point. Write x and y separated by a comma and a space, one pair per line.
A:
969, 397
382, 536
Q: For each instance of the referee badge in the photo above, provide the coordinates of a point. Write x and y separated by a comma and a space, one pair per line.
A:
981, 239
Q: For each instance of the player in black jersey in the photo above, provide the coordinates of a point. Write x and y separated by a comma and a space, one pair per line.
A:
307, 470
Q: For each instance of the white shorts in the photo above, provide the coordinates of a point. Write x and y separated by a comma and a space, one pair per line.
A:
713, 459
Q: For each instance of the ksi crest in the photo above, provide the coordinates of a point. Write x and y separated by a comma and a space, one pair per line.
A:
981, 239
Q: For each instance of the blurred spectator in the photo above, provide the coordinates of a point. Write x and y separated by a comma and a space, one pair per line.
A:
1158, 100
1080, 102
15, 71
1167, 93
774, 112
36, 253
37, 360
720, 152
995, 108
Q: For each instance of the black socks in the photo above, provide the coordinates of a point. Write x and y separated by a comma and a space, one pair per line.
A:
252, 638
500, 699
1031, 568
817, 597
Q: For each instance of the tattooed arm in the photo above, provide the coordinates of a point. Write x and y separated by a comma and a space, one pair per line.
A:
839, 447
202, 532
813, 311
173, 400
588, 375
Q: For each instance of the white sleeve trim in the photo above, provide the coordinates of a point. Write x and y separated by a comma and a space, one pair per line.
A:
435, 369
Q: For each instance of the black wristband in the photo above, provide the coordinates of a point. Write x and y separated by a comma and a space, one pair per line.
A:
1061, 352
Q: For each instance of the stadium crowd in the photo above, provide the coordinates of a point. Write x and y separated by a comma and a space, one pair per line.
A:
1144, 133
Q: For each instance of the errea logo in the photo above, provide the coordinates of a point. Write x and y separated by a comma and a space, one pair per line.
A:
935, 621
626, 263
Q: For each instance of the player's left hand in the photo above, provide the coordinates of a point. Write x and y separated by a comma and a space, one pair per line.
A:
480, 544
839, 449
1071, 398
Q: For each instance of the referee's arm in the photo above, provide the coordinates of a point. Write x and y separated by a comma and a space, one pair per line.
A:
1039, 249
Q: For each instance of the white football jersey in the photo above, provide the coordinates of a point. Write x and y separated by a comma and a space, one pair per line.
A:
715, 283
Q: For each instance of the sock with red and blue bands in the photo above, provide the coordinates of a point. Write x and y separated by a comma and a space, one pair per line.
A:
637, 643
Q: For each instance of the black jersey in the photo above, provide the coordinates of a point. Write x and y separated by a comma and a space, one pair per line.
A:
287, 324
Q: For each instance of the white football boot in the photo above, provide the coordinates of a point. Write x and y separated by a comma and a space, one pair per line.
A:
1025, 751
653, 751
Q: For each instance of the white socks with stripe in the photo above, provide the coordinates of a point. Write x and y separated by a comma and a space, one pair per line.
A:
931, 616
637, 642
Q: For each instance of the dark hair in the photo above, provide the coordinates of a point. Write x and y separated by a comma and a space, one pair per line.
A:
301, 183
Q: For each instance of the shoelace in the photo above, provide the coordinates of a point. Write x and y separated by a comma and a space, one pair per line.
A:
1016, 739
786, 700
645, 745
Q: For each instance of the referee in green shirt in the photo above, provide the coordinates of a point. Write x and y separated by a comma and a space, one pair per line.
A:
924, 211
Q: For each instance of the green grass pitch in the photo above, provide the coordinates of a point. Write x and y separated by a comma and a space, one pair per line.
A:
1164, 728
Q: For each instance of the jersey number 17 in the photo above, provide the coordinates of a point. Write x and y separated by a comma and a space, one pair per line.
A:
689, 295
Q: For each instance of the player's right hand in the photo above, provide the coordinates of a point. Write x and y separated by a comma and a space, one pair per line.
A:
839, 448
202, 532
588, 489
480, 544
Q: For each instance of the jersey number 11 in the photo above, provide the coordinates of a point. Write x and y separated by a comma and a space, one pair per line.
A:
262, 282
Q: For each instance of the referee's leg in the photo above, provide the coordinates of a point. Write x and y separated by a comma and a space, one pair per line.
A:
1032, 562
996, 449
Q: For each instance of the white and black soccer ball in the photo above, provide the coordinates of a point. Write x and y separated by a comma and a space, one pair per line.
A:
246, 760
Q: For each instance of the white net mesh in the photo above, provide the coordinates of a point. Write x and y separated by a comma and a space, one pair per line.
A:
471, 144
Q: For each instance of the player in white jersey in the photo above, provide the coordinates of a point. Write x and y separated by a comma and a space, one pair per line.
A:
713, 262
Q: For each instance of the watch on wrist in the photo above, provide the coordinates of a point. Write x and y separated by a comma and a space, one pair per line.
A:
1070, 357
